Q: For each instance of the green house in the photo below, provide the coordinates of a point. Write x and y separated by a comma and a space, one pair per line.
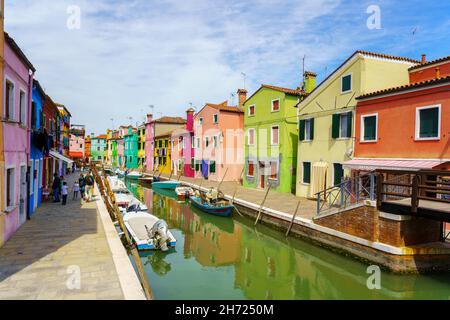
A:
271, 138
131, 149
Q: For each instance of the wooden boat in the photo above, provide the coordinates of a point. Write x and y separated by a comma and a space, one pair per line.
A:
170, 184
213, 203
184, 192
146, 180
148, 231
134, 175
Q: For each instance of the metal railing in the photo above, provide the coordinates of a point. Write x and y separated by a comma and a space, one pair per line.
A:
348, 193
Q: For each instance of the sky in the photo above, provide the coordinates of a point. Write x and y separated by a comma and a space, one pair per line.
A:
112, 61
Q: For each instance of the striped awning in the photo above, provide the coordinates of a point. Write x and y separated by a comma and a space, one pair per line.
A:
386, 164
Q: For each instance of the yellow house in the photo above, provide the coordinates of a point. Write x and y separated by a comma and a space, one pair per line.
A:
326, 117
163, 151
141, 147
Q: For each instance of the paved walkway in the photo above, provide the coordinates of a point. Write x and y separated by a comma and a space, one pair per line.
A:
283, 202
44, 258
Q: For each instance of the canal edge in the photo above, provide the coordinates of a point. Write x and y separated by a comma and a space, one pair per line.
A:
129, 282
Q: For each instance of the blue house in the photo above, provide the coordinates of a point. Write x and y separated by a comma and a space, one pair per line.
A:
37, 143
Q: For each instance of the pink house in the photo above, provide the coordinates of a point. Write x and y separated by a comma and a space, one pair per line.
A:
219, 141
183, 149
18, 80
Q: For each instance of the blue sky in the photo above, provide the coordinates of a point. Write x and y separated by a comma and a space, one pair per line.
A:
130, 54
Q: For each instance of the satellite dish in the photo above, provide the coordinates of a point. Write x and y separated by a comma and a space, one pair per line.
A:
349, 152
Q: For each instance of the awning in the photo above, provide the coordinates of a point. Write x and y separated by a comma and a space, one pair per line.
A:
372, 164
60, 157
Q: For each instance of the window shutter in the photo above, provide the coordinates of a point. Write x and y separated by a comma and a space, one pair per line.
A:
301, 130
212, 167
335, 126
311, 128
349, 124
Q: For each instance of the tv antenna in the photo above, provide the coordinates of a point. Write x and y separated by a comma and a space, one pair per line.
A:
244, 76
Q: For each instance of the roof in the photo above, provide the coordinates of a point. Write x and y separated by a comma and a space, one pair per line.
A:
422, 84
426, 64
224, 107
59, 105
362, 52
39, 88
164, 134
102, 136
372, 164
174, 120
15, 47
294, 92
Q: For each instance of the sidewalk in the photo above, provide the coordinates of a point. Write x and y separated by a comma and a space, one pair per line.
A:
44, 258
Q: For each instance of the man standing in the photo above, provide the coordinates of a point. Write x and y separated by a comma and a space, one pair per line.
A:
89, 186
56, 187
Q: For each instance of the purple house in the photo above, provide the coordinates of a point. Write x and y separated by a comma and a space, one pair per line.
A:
18, 80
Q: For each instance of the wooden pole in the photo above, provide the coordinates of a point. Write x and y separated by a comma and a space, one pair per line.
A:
293, 218
262, 204
171, 173
223, 178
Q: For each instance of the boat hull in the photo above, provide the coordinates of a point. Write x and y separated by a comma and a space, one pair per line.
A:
168, 185
223, 211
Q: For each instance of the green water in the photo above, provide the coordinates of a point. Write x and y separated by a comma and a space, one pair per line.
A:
223, 258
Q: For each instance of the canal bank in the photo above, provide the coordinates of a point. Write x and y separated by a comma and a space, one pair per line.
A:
230, 258
354, 232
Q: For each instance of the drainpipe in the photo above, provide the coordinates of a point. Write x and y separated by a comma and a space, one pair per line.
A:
28, 175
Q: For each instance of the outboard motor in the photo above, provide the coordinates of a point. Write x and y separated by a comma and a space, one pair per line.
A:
160, 235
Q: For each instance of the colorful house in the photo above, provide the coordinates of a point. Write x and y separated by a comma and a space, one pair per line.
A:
37, 145
421, 139
157, 127
64, 146
98, 148
18, 75
271, 138
326, 117
77, 144
141, 147
183, 160
219, 141
51, 128
2, 156
131, 148
163, 151
87, 148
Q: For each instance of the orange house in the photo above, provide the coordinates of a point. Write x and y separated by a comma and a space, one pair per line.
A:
406, 127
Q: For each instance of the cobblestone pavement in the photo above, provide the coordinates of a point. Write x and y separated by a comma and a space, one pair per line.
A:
45, 256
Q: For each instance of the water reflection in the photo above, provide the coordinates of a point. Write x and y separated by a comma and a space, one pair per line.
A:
220, 258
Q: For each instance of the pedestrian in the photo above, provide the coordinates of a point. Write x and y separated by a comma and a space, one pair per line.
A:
89, 186
76, 190
82, 184
64, 192
56, 186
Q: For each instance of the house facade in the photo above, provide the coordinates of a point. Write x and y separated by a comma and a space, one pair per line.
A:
219, 141
327, 117
98, 148
2, 157
51, 128
131, 148
141, 147
421, 139
271, 138
87, 148
18, 82
183, 160
77, 145
64, 144
163, 153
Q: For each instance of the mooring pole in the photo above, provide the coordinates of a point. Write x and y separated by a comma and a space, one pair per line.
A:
223, 178
262, 203
293, 218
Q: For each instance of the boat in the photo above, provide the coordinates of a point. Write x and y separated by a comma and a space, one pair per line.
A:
134, 175
146, 180
213, 202
170, 184
184, 192
123, 197
148, 231
135, 206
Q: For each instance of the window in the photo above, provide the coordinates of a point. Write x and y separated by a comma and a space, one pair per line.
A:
22, 106
306, 130
342, 125
166, 143
200, 121
212, 167
9, 100
428, 123
275, 105
216, 118
98, 148
273, 170
215, 141
131, 158
338, 173
307, 172
198, 143
274, 135
207, 141
31, 163
369, 125
251, 137
10, 187
197, 166
251, 110
346, 83
192, 142
99, 158
192, 163
250, 169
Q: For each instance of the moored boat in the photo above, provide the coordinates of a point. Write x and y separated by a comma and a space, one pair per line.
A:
170, 184
184, 192
134, 175
149, 232
213, 203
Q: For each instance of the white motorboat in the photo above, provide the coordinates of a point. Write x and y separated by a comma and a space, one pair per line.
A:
135, 206
134, 175
148, 231
184, 192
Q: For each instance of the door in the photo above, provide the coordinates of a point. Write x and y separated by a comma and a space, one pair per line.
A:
263, 181
36, 174
23, 193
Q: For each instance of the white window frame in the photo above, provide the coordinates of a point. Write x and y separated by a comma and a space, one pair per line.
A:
307, 132
254, 166
248, 136
31, 164
214, 118
278, 170
340, 123
254, 110
23, 111
279, 105
351, 82
12, 97
13, 191
361, 138
418, 109
271, 135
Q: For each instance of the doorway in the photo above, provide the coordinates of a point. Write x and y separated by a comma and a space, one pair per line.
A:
23, 193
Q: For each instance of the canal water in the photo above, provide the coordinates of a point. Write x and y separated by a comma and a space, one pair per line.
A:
227, 258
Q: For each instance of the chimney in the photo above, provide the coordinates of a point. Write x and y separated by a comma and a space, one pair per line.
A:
310, 81
190, 119
242, 94
438, 72
424, 58
149, 117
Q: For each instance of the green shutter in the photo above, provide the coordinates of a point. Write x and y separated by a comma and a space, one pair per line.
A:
212, 167
301, 130
338, 173
370, 128
197, 166
307, 172
429, 123
335, 126
311, 128
349, 124
192, 163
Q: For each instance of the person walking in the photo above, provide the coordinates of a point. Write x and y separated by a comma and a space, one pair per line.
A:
89, 186
56, 187
64, 193
76, 190
82, 184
